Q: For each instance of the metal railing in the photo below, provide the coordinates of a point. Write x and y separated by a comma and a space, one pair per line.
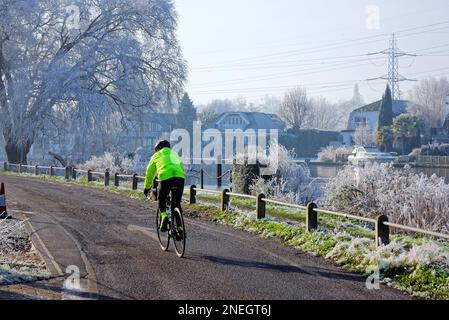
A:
432, 161
381, 223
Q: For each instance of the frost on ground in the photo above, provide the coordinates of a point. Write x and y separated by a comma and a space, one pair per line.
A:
418, 266
19, 260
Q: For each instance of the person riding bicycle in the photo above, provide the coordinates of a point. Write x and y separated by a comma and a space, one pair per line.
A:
168, 166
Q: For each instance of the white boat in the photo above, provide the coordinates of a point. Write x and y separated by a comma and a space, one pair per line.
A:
362, 155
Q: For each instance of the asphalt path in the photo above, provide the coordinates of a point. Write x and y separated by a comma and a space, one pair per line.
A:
111, 240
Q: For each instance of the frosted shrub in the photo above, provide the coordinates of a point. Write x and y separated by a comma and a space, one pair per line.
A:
115, 162
331, 154
405, 197
292, 181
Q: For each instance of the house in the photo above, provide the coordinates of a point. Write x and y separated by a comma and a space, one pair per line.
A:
247, 120
143, 130
369, 115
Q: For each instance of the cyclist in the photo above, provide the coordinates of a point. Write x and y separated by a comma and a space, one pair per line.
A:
168, 166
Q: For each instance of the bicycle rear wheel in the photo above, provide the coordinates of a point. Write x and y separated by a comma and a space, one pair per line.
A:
180, 244
164, 237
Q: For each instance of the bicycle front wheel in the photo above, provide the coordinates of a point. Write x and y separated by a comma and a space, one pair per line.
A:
164, 237
179, 241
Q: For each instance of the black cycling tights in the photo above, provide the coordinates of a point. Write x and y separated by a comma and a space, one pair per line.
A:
176, 187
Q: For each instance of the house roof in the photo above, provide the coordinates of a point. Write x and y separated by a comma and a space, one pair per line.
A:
399, 107
254, 120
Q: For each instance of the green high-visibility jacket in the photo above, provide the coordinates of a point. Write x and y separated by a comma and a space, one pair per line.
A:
167, 164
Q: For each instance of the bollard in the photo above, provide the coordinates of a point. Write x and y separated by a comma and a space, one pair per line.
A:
260, 207
89, 175
382, 231
192, 194
52, 172
135, 181
224, 200
106, 178
116, 180
36, 170
67, 173
219, 172
5, 166
202, 178
312, 217
20, 168
73, 173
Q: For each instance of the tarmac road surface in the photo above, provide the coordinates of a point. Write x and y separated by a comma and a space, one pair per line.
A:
111, 239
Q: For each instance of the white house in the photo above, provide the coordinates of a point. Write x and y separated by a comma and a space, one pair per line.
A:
369, 115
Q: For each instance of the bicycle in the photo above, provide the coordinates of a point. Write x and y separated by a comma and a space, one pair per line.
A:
175, 219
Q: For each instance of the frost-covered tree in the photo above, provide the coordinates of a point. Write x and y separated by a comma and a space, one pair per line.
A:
364, 136
119, 53
429, 98
295, 109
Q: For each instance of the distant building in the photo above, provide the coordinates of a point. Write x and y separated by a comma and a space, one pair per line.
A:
144, 130
247, 120
369, 115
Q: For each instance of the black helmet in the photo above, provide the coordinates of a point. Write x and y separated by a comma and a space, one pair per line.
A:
161, 145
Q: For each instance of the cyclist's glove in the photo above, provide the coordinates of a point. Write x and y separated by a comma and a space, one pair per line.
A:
146, 191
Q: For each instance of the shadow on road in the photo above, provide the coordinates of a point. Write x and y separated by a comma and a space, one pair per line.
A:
325, 273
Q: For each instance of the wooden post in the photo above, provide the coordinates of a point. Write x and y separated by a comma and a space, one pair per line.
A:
230, 180
312, 217
5, 166
382, 231
52, 172
219, 172
135, 181
260, 207
224, 200
67, 173
202, 178
89, 175
36, 170
73, 173
192, 194
116, 180
106, 178
20, 168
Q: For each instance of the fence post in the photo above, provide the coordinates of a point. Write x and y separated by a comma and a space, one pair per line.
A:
67, 173
135, 181
230, 180
20, 168
192, 194
224, 200
219, 172
51, 171
106, 178
89, 175
312, 217
382, 231
73, 173
116, 180
260, 207
36, 170
202, 178
5, 166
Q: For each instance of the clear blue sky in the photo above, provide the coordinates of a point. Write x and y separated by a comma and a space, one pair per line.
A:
251, 48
